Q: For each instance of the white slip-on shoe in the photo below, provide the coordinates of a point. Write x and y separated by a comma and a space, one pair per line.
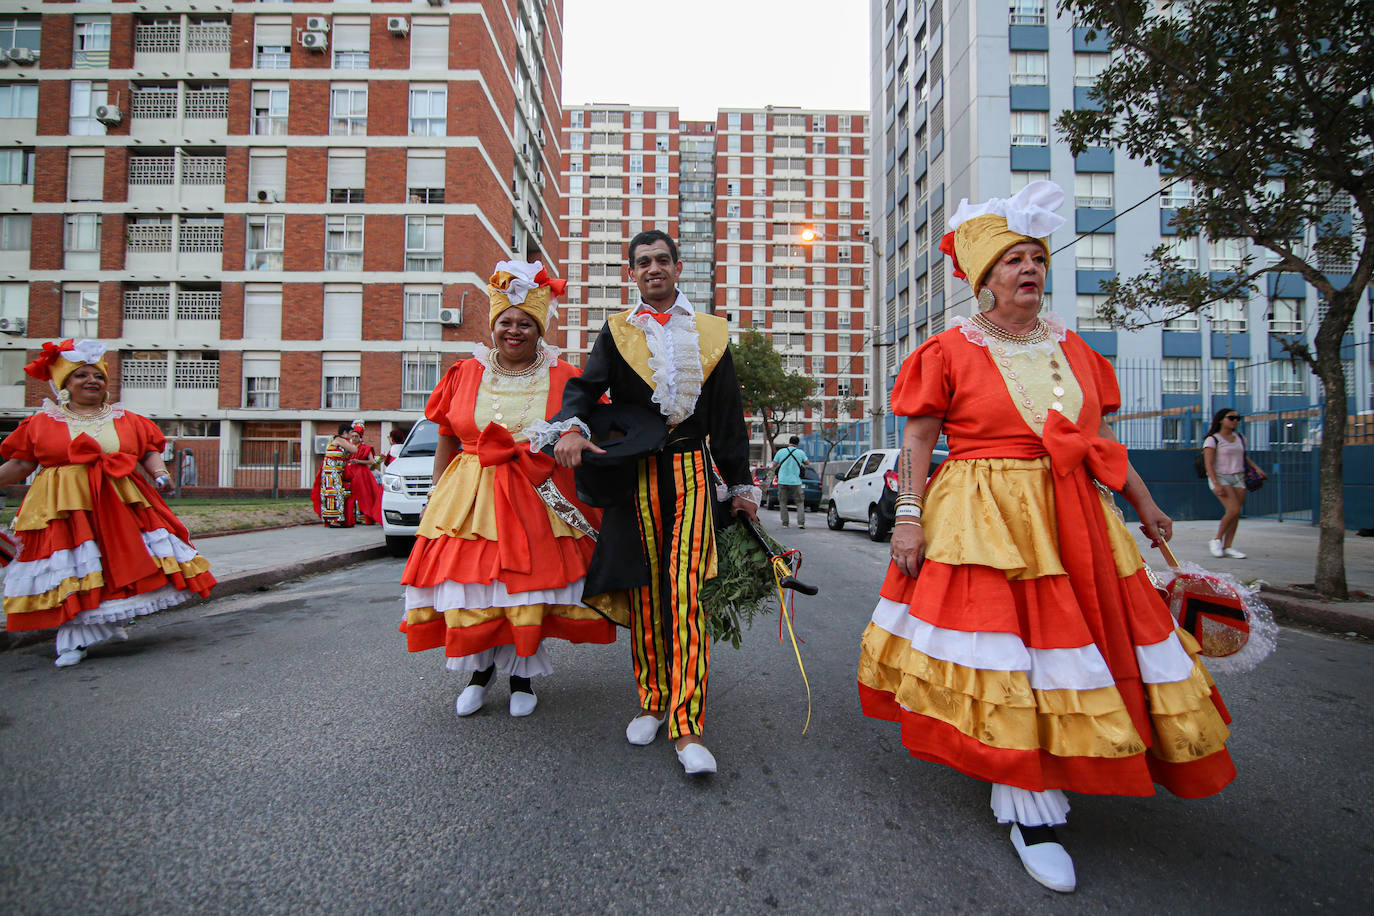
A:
1215, 547
70, 657
1047, 863
522, 703
643, 729
1233, 553
470, 700
697, 760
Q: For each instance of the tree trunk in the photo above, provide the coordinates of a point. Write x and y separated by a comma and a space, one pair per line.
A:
1331, 547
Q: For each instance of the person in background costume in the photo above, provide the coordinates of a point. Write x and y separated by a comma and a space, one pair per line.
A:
99, 545
1032, 651
658, 546
330, 496
364, 492
503, 544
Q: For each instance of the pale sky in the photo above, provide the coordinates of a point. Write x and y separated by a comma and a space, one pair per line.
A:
703, 55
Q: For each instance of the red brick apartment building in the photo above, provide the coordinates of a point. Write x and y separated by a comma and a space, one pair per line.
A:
279, 217
769, 207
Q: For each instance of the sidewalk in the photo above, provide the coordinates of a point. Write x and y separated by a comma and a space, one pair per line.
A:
1282, 554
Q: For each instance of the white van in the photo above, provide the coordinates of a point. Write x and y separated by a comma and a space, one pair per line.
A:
406, 483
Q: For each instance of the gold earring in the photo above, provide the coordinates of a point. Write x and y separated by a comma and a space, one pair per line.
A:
64, 396
986, 300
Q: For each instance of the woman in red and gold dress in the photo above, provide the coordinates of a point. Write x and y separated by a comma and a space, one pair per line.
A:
1032, 652
503, 545
100, 546
364, 492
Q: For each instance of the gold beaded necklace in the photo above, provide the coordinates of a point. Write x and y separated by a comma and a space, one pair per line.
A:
96, 420
506, 382
1039, 334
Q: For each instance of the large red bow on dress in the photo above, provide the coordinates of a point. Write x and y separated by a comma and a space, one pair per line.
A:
1069, 448
517, 472
126, 556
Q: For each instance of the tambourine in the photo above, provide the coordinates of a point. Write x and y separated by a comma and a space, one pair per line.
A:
1235, 629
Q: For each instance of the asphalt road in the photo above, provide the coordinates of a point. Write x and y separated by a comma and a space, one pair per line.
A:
281, 752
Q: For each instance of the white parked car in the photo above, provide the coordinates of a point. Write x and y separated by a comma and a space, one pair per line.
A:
405, 487
857, 495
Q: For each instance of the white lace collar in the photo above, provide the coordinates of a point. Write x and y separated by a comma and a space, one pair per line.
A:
485, 354
53, 411
674, 357
974, 335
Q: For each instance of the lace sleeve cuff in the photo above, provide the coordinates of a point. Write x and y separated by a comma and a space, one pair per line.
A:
748, 491
542, 433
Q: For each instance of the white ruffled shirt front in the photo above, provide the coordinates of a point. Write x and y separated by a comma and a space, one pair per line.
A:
674, 357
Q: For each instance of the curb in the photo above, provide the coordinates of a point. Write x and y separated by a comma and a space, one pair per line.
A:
1318, 614
233, 584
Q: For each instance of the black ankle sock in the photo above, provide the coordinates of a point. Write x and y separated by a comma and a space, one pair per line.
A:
520, 685
480, 678
1033, 836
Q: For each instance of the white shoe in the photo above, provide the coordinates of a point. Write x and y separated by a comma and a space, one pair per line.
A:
1233, 553
643, 729
696, 760
70, 657
1047, 863
470, 700
522, 703
1216, 548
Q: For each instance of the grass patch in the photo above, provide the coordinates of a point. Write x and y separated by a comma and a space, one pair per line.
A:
206, 516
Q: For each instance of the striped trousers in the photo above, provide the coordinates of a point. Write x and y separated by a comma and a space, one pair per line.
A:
672, 650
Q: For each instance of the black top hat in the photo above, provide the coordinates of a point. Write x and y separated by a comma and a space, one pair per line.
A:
627, 432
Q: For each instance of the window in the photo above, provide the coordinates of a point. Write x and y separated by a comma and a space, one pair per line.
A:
1285, 316
419, 376
1095, 252
1093, 190
345, 176
261, 379
1221, 377
576, 118
429, 43
349, 39
85, 174
428, 111
20, 33
661, 185
14, 232
1030, 68
91, 48
18, 100
1087, 67
421, 314
85, 97
266, 242
1027, 12
1175, 193
261, 313
266, 175
1188, 321
424, 243
343, 242
348, 111
342, 378
272, 43
80, 312
636, 162
1182, 375
425, 176
1184, 248
1228, 316
81, 241
576, 140
1030, 128
1088, 318
1226, 253
343, 312
269, 110
1287, 377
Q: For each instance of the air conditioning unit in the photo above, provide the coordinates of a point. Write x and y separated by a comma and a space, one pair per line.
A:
266, 196
319, 444
398, 25
4, 60
539, 178
22, 55
541, 136
436, 2
12, 325
108, 114
315, 41
316, 24
450, 316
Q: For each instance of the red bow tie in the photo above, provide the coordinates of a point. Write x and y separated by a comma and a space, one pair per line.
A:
660, 317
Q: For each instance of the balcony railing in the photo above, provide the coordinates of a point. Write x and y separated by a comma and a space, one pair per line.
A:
198, 305
157, 38
197, 374
207, 104
152, 170
208, 38
147, 304
198, 238
154, 104
202, 170
143, 373
152, 237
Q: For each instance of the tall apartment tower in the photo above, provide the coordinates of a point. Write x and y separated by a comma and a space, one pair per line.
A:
278, 221
768, 207
964, 96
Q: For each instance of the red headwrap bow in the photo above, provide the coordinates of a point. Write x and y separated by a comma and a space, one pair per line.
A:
947, 246
543, 279
41, 367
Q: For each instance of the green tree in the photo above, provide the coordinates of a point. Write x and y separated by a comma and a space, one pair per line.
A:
769, 391
1265, 108
835, 429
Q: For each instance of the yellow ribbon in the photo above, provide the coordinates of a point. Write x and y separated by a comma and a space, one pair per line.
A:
780, 570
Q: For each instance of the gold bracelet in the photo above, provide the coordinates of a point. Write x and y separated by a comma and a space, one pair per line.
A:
908, 520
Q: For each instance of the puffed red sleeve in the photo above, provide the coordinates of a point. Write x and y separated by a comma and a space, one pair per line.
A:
150, 438
923, 386
436, 408
1108, 390
19, 444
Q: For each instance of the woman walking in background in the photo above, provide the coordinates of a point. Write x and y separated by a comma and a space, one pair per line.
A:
100, 546
1223, 451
